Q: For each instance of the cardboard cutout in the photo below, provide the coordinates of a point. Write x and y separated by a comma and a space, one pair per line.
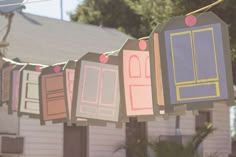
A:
96, 94
135, 79
29, 91
52, 94
14, 88
190, 62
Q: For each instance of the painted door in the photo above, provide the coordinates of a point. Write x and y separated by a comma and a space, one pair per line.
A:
14, 89
70, 75
29, 92
6, 77
98, 88
75, 141
52, 94
195, 64
136, 77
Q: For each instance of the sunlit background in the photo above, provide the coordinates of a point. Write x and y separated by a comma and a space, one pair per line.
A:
52, 8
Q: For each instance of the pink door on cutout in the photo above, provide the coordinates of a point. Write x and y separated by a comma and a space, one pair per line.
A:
137, 81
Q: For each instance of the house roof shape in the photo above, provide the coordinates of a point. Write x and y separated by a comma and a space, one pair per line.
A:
48, 41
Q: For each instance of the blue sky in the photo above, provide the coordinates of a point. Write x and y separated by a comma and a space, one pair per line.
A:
52, 8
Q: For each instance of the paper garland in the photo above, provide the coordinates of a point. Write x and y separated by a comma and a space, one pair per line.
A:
188, 68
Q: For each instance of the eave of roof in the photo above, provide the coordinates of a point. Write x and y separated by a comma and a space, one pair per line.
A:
48, 41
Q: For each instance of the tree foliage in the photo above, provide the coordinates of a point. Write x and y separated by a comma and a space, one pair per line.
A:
138, 17
110, 13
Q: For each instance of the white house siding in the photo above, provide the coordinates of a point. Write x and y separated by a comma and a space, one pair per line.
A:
220, 140
104, 140
187, 123
160, 127
41, 141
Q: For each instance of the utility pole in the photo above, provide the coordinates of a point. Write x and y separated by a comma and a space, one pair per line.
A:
61, 7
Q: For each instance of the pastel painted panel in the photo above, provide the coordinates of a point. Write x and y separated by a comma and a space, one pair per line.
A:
205, 55
137, 82
15, 90
98, 96
6, 75
53, 98
182, 57
29, 93
70, 74
157, 90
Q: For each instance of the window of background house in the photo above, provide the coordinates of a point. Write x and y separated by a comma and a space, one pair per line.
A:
203, 118
75, 141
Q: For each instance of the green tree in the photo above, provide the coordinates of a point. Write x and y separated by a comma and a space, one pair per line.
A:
110, 13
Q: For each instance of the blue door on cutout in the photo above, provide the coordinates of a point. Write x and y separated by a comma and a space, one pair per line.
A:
195, 61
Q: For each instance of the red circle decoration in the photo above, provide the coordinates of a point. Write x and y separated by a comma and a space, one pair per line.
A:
38, 68
57, 69
103, 58
142, 45
190, 20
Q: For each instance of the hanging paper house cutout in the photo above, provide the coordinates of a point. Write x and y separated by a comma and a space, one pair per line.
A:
135, 79
15, 88
29, 91
6, 75
52, 94
96, 89
190, 62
